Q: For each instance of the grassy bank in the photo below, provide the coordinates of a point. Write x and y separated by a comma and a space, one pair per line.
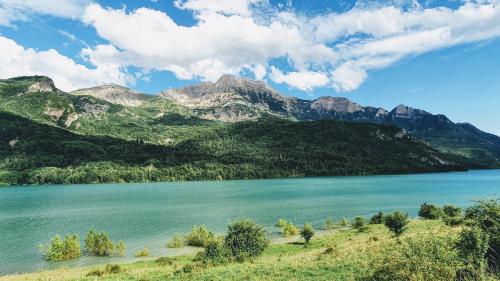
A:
342, 254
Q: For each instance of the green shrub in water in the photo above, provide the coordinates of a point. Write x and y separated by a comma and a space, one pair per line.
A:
63, 249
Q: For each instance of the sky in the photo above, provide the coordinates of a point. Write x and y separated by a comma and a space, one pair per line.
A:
442, 56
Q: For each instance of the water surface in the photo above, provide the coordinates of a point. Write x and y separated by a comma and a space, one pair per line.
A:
147, 215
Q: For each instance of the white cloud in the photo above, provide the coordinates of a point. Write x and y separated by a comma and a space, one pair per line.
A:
218, 44
67, 75
240, 7
348, 77
336, 50
303, 80
20, 10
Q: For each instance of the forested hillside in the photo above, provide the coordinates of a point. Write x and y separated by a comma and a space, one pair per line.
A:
48, 136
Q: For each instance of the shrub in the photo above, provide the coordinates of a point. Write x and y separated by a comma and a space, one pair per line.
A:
120, 248
307, 232
427, 258
453, 221
164, 261
343, 222
63, 249
329, 224
281, 223
245, 239
377, 218
142, 253
472, 247
289, 229
429, 211
216, 253
199, 237
98, 244
113, 268
188, 268
176, 242
452, 211
358, 222
396, 222
485, 214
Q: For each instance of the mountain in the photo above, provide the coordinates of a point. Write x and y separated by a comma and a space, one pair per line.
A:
236, 99
114, 94
49, 136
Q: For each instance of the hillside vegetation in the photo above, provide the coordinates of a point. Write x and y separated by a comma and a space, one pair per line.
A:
48, 136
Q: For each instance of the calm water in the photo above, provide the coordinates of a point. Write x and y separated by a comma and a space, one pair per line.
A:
147, 215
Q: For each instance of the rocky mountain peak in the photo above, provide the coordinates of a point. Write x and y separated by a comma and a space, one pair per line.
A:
405, 112
338, 104
114, 94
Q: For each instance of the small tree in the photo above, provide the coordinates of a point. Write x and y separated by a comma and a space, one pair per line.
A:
377, 218
472, 246
329, 224
358, 222
98, 243
176, 242
120, 248
290, 229
396, 222
452, 211
199, 237
430, 211
63, 249
281, 223
215, 253
307, 232
245, 239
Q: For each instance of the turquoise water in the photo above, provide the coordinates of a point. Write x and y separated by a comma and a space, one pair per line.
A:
147, 215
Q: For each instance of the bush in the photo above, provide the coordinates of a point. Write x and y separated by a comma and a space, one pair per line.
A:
176, 242
120, 248
452, 211
472, 247
453, 221
164, 261
113, 268
329, 224
199, 237
142, 253
485, 214
307, 232
430, 212
377, 218
289, 229
427, 258
281, 223
245, 239
216, 253
63, 249
98, 244
396, 222
358, 222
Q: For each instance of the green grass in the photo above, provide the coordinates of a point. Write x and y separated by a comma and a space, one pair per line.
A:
351, 257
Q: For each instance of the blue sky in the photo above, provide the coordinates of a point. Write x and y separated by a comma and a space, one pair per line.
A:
441, 56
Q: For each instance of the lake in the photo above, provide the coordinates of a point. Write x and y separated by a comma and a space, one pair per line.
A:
148, 214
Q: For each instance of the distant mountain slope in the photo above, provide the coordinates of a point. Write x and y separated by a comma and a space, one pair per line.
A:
236, 99
114, 94
48, 136
32, 152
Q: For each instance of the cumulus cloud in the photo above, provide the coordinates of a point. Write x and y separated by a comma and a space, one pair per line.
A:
67, 75
333, 49
21, 10
218, 44
241, 7
303, 80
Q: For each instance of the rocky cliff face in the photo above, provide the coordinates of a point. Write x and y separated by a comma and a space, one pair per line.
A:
113, 94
